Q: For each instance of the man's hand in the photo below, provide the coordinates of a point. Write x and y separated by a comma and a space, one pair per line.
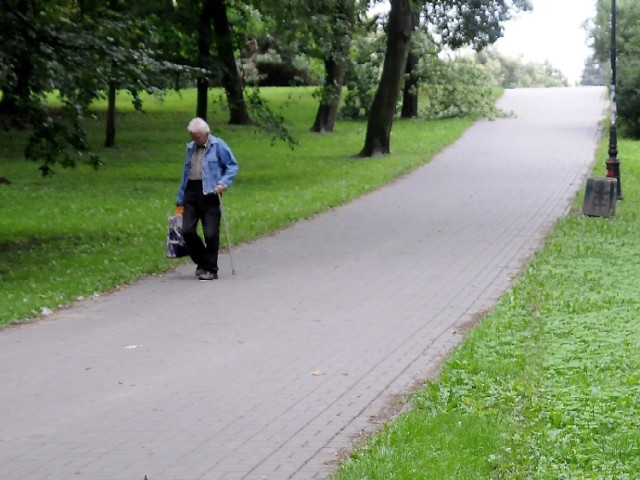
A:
220, 188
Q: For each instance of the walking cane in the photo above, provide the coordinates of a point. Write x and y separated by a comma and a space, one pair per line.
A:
226, 229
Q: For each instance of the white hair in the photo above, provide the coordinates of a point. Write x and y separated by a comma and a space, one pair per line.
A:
198, 125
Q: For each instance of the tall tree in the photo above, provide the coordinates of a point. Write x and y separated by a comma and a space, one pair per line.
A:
457, 24
342, 18
205, 38
91, 9
17, 63
231, 79
411, 82
383, 107
317, 30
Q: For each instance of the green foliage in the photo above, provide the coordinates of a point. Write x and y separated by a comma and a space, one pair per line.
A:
454, 87
628, 96
457, 88
83, 232
268, 120
477, 24
50, 48
448, 88
546, 386
628, 50
363, 72
297, 38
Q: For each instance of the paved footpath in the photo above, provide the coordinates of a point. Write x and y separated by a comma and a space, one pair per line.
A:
270, 373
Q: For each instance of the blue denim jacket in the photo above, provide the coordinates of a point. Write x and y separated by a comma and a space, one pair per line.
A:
218, 166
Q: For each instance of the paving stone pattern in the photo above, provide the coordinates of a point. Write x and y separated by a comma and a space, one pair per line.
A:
270, 373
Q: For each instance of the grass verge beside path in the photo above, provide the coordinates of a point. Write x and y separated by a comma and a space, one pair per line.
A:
82, 232
547, 385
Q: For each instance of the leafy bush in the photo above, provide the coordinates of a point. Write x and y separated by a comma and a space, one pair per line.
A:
457, 88
628, 101
450, 88
362, 75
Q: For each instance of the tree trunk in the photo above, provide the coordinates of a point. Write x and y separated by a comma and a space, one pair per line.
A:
383, 107
16, 94
410, 91
231, 79
335, 66
205, 35
9, 104
328, 108
202, 89
110, 137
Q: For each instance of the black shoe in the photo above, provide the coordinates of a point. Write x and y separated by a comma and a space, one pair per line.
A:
199, 271
208, 276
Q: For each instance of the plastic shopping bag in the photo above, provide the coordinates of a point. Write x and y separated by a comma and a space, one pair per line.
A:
176, 246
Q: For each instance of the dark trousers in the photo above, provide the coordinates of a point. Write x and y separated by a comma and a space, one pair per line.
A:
205, 209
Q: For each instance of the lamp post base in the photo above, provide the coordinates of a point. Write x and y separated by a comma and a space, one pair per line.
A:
613, 171
600, 197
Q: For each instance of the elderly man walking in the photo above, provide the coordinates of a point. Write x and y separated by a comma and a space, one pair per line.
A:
209, 169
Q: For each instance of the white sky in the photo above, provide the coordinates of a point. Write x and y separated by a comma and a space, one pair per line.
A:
551, 31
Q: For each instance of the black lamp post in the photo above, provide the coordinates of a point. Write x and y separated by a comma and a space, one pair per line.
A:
613, 164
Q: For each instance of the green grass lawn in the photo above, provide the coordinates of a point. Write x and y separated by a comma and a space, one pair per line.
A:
547, 386
83, 232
